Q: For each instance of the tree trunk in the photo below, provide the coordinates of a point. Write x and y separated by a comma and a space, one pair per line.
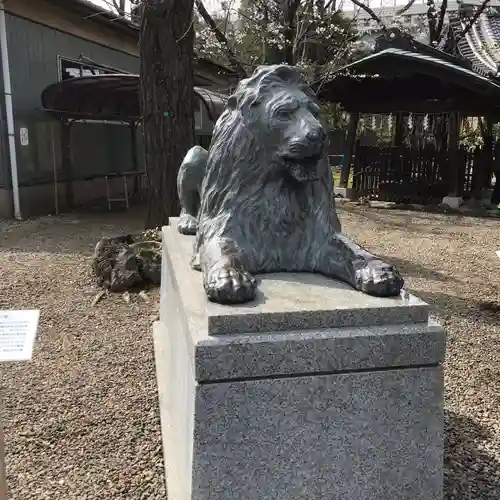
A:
167, 99
289, 20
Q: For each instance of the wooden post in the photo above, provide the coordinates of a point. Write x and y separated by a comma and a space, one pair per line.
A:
349, 148
66, 161
398, 130
454, 188
485, 163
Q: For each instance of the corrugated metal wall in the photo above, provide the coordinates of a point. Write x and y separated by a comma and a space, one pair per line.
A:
97, 148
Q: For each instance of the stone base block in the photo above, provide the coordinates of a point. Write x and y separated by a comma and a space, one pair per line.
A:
347, 193
453, 201
313, 392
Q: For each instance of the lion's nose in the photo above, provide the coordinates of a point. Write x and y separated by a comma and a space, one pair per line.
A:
316, 135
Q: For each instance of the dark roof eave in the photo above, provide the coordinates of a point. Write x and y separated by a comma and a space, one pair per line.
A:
99, 15
424, 64
103, 16
69, 115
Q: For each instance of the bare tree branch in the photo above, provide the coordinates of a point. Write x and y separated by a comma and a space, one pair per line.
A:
442, 15
221, 37
405, 8
119, 5
303, 29
473, 19
370, 12
289, 9
228, 15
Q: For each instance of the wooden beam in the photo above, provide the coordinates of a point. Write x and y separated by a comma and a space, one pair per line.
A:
349, 148
465, 107
454, 189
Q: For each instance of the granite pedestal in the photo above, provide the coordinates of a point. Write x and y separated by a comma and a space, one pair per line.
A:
314, 391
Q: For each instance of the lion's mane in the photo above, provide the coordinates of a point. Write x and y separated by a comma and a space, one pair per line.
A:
240, 162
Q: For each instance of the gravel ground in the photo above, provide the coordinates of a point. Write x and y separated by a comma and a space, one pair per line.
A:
450, 262
82, 417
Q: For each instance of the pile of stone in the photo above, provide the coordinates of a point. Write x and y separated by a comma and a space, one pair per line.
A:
128, 262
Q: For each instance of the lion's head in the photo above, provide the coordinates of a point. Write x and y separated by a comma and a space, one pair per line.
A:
278, 110
271, 129
277, 105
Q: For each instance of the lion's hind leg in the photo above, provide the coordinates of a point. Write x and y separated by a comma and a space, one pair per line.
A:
225, 278
189, 181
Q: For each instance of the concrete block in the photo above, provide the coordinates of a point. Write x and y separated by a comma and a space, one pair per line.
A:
314, 391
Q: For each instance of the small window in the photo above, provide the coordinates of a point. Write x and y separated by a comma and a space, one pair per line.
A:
74, 69
70, 69
86, 71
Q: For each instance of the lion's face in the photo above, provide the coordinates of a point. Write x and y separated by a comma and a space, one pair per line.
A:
296, 131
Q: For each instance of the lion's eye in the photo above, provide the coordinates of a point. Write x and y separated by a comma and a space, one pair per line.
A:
284, 114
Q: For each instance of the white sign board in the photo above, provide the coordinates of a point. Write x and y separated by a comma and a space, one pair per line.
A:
24, 137
17, 334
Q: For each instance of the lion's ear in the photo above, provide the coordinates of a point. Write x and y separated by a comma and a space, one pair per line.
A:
232, 102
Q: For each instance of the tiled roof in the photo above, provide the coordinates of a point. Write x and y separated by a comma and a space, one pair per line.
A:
418, 8
481, 45
453, 71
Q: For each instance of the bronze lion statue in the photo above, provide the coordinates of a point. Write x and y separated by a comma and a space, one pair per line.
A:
261, 199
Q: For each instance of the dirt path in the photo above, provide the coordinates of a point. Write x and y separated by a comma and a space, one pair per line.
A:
82, 417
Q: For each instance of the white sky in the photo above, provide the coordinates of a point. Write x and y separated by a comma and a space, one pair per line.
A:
212, 5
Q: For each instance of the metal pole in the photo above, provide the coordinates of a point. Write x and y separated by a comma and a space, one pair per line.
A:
9, 114
3, 481
54, 162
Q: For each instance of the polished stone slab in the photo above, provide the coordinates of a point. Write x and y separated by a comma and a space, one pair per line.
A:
287, 301
331, 350
292, 351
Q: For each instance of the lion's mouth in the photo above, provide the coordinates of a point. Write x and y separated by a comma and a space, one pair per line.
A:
303, 169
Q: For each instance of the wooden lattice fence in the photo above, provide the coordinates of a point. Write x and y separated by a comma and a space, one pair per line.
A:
406, 175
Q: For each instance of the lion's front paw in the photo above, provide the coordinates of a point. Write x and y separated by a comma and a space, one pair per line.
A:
379, 279
227, 285
187, 224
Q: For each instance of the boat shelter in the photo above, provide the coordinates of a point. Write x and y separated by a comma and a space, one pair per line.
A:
113, 98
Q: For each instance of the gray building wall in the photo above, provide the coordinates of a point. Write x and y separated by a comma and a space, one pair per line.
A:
97, 148
34, 52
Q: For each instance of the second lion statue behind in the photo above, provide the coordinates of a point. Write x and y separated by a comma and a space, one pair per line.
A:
260, 200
